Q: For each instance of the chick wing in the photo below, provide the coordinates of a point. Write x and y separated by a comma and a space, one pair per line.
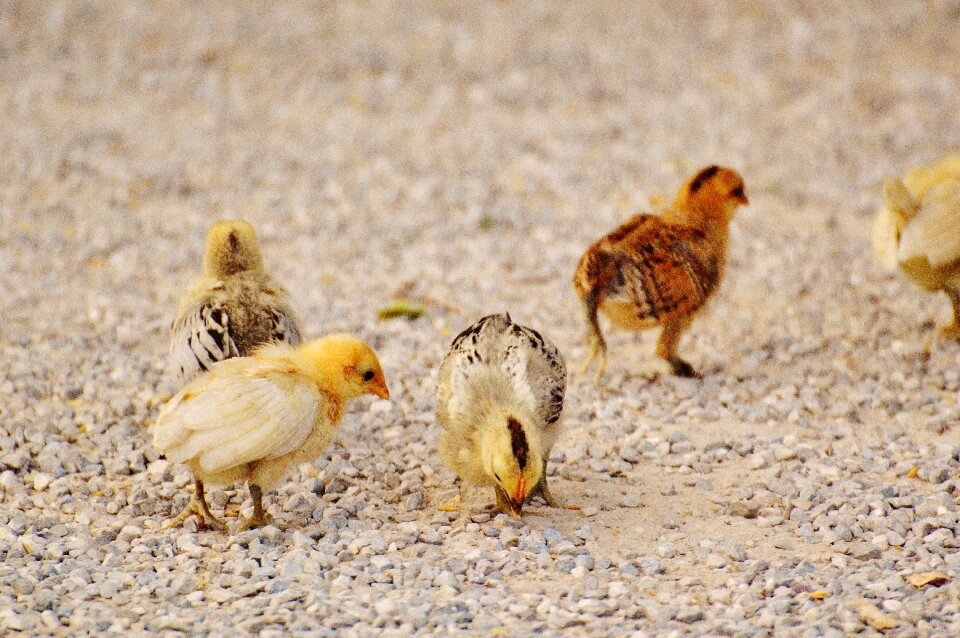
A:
534, 366
216, 322
244, 410
647, 270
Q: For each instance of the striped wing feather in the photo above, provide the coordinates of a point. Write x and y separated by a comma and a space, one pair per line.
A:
659, 269
534, 366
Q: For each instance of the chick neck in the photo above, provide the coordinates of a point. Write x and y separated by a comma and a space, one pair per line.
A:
706, 211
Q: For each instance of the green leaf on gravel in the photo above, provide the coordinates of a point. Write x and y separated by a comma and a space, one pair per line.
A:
402, 308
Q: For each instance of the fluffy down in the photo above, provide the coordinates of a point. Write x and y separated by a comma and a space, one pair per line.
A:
918, 230
255, 418
234, 307
499, 399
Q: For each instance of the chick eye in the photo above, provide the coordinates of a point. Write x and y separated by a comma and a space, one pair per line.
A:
496, 476
368, 375
738, 191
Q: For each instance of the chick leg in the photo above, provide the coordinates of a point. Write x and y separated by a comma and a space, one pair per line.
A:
260, 517
598, 346
542, 489
673, 330
197, 505
952, 331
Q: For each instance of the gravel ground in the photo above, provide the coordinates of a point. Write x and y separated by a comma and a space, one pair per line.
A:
466, 154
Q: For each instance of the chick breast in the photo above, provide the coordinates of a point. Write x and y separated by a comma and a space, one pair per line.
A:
534, 367
648, 271
246, 419
220, 319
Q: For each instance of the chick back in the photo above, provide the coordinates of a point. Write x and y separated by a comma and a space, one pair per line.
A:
531, 367
648, 271
232, 317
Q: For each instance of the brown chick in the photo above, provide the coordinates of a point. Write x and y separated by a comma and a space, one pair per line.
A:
661, 270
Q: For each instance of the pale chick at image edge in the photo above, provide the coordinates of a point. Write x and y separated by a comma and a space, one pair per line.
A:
917, 231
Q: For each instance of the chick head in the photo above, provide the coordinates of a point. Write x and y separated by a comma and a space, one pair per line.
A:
511, 459
900, 202
232, 247
713, 190
348, 364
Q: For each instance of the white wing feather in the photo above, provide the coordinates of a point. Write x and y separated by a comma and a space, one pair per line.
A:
233, 420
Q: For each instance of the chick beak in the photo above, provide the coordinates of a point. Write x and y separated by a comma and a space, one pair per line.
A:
742, 199
516, 502
380, 390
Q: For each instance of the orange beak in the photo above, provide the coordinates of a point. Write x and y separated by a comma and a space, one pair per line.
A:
519, 497
380, 390
743, 200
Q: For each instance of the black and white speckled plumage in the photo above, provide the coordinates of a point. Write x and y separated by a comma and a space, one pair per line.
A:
230, 318
533, 365
232, 309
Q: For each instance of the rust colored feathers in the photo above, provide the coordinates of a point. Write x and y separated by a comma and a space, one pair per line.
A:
648, 271
661, 270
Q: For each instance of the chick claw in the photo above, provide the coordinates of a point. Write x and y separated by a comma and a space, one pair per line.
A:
261, 520
681, 368
204, 517
598, 353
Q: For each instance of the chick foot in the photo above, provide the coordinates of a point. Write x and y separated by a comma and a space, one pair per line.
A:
198, 507
504, 504
598, 353
542, 490
259, 517
260, 520
681, 368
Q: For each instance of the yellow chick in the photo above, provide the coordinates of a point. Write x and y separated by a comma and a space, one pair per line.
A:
918, 230
499, 397
254, 418
661, 270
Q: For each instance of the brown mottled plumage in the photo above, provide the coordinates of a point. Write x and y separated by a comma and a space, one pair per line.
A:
660, 270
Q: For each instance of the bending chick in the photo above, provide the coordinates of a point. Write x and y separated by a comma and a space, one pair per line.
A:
499, 398
661, 270
918, 231
254, 418
233, 308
